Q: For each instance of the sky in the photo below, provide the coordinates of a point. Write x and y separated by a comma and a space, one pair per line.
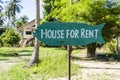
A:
29, 9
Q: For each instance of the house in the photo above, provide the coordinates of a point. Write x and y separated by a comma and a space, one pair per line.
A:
27, 35
28, 29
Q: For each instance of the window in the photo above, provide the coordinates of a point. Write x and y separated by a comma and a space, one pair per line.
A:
33, 26
28, 32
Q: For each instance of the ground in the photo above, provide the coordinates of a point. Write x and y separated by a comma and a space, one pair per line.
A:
96, 70
90, 69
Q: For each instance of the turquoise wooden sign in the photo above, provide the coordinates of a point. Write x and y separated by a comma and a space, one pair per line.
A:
69, 33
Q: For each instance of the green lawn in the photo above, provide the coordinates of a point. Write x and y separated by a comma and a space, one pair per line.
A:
53, 63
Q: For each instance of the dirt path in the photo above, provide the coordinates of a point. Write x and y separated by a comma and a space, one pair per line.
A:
6, 64
95, 70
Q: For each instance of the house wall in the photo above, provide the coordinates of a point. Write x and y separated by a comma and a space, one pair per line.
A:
25, 35
30, 27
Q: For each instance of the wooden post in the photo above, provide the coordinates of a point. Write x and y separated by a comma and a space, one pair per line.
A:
69, 62
69, 55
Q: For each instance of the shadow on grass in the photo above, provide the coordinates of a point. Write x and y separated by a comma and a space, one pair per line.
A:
100, 68
100, 57
16, 53
25, 51
4, 59
108, 57
81, 58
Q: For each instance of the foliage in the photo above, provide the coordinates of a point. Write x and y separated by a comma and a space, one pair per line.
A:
21, 21
10, 38
91, 12
50, 6
8, 12
1, 8
1, 43
111, 46
11, 9
53, 63
1, 13
1, 19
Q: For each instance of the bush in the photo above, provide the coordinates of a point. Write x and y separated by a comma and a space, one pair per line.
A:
1, 43
10, 38
112, 46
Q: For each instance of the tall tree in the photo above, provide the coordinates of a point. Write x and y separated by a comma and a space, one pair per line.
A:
35, 56
21, 21
118, 45
92, 12
0, 5
1, 13
11, 9
24, 19
49, 6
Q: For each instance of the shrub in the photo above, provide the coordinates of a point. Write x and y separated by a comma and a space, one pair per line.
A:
10, 38
1, 43
112, 46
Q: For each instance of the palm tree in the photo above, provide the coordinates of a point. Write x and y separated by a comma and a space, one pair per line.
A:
35, 56
1, 14
0, 5
1, 19
19, 24
21, 21
24, 19
11, 9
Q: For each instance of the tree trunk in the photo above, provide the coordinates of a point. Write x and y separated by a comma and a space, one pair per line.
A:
35, 56
91, 49
118, 46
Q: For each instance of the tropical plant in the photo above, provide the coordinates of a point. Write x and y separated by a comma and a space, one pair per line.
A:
21, 21
1, 8
10, 38
1, 13
92, 12
11, 9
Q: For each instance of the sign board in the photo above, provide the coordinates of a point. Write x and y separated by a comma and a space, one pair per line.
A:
69, 33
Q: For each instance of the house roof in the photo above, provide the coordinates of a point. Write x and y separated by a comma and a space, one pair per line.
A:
29, 24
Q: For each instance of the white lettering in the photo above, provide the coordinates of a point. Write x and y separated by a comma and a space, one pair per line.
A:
82, 33
76, 33
62, 33
72, 34
67, 33
52, 33
89, 33
96, 33
43, 33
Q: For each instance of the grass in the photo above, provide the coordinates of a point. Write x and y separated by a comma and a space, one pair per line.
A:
53, 63
8, 53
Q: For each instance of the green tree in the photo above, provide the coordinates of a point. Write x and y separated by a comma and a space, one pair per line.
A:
1, 13
92, 12
10, 38
49, 6
21, 21
118, 45
11, 9
1, 8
